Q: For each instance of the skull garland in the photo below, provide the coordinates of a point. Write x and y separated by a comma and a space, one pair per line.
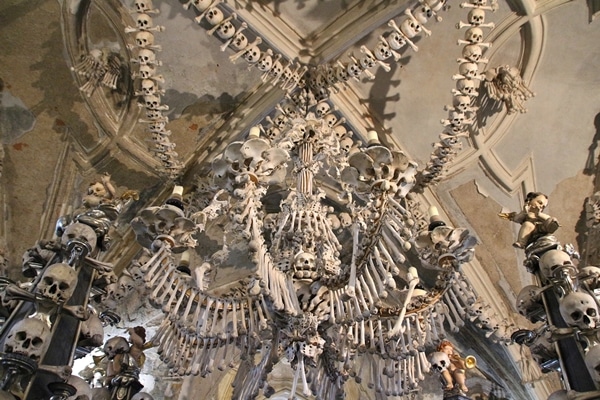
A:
579, 309
29, 337
58, 283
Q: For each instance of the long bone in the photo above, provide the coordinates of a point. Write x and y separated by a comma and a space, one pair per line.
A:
410, 361
202, 314
180, 285
196, 364
219, 305
156, 260
351, 288
261, 310
164, 284
425, 364
227, 43
397, 55
161, 276
386, 236
412, 283
420, 333
373, 298
361, 304
461, 25
492, 8
375, 285
211, 355
458, 318
408, 330
392, 263
439, 321
392, 24
234, 57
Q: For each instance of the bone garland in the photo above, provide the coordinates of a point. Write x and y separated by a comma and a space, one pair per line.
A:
150, 91
468, 80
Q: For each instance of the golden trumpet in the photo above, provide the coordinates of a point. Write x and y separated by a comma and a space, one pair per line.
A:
470, 362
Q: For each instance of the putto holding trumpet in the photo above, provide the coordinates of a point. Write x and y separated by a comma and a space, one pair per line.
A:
452, 368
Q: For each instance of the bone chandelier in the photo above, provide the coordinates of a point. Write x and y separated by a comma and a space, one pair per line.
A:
322, 223
315, 226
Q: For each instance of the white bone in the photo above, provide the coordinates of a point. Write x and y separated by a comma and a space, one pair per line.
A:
243, 51
384, 65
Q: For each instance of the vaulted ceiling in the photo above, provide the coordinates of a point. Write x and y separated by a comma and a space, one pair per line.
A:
56, 138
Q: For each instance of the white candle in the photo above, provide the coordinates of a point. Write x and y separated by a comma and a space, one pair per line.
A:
178, 191
433, 211
254, 132
372, 137
412, 271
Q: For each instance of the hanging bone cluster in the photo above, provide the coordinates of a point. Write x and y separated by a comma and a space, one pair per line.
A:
462, 112
149, 85
240, 38
100, 67
333, 76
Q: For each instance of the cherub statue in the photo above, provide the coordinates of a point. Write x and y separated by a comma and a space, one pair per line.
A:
100, 191
534, 223
454, 375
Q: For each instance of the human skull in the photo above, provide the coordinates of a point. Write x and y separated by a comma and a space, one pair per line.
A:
29, 337
143, 22
266, 62
590, 276
341, 73
382, 51
367, 61
144, 39
304, 265
529, 302
226, 30
472, 52
239, 42
214, 16
330, 119
476, 16
467, 87
440, 361
396, 40
552, 260
115, 345
252, 54
346, 144
136, 273
579, 309
457, 119
276, 69
126, 283
345, 219
469, 70
57, 283
83, 389
146, 71
92, 331
322, 109
148, 87
152, 102
423, 13
141, 6
354, 69
474, 35
462, 103
592, 362
146, 57
410, 27
202, 5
